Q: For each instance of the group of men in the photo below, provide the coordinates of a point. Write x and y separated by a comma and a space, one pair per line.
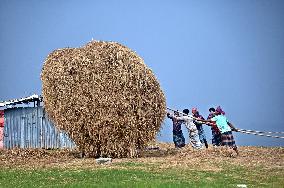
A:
221, 128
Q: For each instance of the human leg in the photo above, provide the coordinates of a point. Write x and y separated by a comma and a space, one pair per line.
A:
228, 140
202, 136
194, 140
179, 140
205, 142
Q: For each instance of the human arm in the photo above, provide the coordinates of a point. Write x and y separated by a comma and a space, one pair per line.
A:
203, 120
210, 121
171, 116
232, 127
198, 119
211, 124
182, 118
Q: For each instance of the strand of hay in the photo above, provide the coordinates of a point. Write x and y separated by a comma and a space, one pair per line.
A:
104, 97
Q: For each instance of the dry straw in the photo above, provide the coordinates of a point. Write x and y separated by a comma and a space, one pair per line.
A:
104, 97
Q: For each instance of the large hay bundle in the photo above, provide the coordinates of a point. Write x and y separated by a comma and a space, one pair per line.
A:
104, 97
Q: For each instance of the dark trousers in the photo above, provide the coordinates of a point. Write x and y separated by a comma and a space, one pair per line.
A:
178, 139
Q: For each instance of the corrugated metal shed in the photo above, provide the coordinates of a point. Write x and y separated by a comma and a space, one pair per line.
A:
29, 127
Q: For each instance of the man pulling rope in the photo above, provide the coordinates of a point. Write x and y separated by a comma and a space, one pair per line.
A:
258, 133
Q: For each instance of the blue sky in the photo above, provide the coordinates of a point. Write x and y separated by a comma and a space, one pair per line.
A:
204, 53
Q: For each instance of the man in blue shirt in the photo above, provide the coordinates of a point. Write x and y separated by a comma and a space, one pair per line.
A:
225, 128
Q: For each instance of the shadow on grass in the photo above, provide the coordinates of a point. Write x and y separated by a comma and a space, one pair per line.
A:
159, 153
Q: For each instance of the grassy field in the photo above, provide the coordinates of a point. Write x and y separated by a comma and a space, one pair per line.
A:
168, 167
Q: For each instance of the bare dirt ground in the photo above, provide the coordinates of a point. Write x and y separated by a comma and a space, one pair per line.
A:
166, 157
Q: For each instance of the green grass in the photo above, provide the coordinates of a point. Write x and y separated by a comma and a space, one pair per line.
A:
86, 178
131, 175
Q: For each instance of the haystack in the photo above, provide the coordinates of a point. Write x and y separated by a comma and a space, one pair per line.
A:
104, 97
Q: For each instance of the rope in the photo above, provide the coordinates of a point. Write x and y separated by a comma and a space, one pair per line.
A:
200, 122
262, 131
176, 111
239, 130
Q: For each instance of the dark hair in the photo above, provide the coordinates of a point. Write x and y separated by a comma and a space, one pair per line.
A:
186, 111
211, 109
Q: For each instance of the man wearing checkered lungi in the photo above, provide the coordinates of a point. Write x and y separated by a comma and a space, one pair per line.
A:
225, 128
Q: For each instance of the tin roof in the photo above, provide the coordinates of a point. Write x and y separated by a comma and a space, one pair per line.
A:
25, 100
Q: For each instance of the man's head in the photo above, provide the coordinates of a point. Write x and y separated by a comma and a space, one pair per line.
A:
186, 111
194, 111
212, 110
219, 111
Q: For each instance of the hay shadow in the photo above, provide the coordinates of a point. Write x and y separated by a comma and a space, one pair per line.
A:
159, 152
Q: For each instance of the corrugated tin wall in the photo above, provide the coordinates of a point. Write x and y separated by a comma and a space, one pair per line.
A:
30, 128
